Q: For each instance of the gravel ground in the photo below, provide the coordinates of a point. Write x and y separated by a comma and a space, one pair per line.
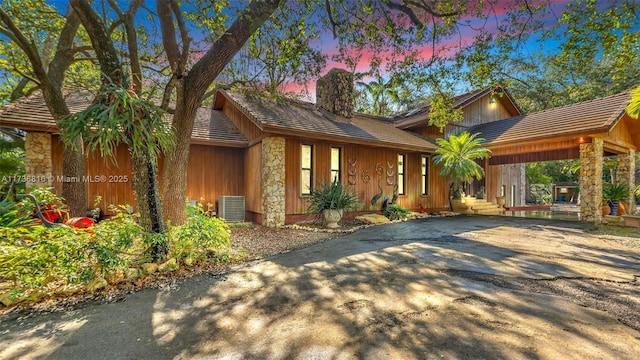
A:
260, 242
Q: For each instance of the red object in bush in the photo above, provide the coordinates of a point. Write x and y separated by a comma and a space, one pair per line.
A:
80, 222
51, 214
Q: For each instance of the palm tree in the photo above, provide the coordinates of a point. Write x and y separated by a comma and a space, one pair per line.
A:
458, 157
633, 109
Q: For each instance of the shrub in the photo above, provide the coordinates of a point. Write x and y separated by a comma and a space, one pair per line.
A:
330, 196
12, 216
46, 260
199, 237
395, 212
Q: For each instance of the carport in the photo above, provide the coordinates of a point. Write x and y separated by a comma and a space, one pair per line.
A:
588, 130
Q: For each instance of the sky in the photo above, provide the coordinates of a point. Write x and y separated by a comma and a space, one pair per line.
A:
329, 45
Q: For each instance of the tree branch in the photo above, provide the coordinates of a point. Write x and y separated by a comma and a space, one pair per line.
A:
24, 44
65, 54
204, 72
168, 34
184, 35
102, 43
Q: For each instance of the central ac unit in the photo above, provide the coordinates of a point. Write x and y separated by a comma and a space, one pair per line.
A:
231, 208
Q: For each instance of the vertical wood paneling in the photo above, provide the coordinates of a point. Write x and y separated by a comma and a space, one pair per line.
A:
253, 178
212, 172
240, 120
366, 159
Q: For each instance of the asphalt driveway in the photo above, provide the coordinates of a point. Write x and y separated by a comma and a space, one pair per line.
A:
472, 287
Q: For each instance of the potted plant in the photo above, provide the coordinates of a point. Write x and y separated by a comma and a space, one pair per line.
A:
614, 193
330, 200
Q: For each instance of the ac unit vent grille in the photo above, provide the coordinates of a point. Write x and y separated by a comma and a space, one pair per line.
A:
232, 208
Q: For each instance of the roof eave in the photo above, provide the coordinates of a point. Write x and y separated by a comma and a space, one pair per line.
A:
278, 130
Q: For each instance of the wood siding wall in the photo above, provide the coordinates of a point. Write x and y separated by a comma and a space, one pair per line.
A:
242, 122
253, 178
212, 172
479, 112
366, 179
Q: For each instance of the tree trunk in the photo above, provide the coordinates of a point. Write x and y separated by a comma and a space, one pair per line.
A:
193, 85
74, 191
72, 156
145, 185
174, 176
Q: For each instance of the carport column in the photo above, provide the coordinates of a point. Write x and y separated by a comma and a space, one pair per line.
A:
38, 164
625, 173
591, 181
273, 187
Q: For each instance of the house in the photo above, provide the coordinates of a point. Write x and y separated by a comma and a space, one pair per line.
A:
271, 153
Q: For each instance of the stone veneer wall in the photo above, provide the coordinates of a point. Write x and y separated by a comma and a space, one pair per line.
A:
625, 173
591, 181
273, 183
38, 162
334, 92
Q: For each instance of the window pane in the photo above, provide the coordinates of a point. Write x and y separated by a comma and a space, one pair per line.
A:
400, 174
306, 156
305, 182
425, 178
335, 159
335, 164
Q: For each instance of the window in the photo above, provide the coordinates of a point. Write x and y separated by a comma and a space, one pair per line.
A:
306, 166
401, 167
336, 164
425, 176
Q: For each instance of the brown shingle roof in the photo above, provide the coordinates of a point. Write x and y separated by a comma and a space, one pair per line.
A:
581, 118
302, 118
31, 113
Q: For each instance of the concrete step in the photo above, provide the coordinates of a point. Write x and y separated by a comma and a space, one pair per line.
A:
490, 211
486, 208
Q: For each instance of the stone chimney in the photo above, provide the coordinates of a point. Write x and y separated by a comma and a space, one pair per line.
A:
334, 93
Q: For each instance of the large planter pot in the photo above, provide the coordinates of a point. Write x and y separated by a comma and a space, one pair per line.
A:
501, 200
461, 206
331, 217
606, 209
614, 207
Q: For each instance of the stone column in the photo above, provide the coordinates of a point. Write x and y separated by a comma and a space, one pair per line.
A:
591, 181
38, 163
625, 174
273, 182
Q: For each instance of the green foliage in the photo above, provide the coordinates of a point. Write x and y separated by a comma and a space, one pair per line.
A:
330, 196
396, 212
458, 156
633, 109
280, 53
200, 237
616, 192
536, 174
11, 154
45, 197
41, 260
117, 117
442, 112
13, 216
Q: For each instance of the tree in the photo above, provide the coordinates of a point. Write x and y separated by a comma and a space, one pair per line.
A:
117, 105
279, 54
458, 156
25, 23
